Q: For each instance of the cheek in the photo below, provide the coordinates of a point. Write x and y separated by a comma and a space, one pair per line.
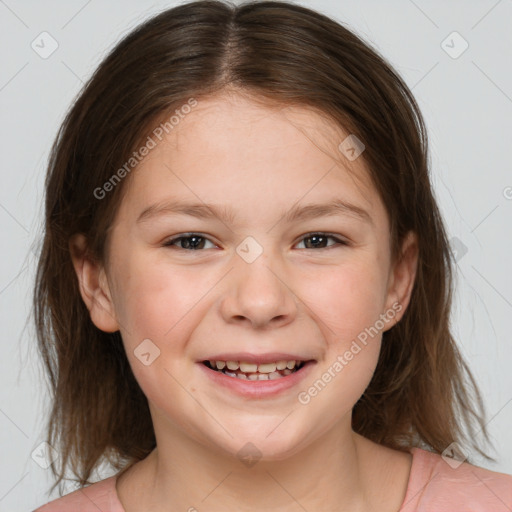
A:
347, 301
346, 298
160, 307
351, 356
340, 384
163, 305
157, 301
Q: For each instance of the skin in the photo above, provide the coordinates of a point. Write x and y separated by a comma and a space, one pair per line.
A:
305, 299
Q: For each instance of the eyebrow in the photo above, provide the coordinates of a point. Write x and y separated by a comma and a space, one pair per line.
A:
296, 213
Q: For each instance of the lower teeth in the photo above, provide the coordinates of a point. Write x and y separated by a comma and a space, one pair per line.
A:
259, 376
277, 374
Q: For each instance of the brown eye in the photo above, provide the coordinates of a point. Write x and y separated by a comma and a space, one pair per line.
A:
192, 242
319, 241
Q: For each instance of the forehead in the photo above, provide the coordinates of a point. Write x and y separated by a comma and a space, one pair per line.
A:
244, 131
230, 149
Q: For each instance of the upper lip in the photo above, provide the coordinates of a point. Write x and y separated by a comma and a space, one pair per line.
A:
269, 357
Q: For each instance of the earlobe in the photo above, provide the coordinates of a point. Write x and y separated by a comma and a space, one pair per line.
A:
93, 285
403, 276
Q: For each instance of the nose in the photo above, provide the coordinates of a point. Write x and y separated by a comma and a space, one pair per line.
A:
259, 295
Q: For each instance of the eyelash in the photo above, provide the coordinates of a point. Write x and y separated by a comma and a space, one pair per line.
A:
172, 241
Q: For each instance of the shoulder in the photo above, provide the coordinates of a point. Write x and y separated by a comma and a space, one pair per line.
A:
98, 496
439, 484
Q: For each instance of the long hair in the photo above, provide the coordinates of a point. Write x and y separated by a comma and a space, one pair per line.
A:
422, 391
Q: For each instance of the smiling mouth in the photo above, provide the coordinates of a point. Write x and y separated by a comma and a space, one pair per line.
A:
250, 371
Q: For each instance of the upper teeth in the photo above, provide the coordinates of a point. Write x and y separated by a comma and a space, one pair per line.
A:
253, 367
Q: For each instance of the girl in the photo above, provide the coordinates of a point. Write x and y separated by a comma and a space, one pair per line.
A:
243, 296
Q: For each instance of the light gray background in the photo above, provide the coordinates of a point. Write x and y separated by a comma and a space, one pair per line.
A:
467, 106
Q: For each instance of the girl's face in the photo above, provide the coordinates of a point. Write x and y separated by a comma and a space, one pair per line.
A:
273, 272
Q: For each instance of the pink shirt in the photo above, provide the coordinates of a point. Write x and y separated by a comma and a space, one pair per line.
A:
434, 486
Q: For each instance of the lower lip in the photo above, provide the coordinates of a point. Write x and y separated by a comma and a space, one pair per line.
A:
259, 388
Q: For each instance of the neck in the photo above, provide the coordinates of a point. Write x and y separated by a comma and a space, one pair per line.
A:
336, 472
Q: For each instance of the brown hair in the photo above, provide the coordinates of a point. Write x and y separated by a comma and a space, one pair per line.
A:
422, 392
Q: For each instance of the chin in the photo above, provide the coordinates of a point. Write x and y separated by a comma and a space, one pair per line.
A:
277, 446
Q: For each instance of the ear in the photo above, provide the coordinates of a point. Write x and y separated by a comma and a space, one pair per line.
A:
402, 278
93, 285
